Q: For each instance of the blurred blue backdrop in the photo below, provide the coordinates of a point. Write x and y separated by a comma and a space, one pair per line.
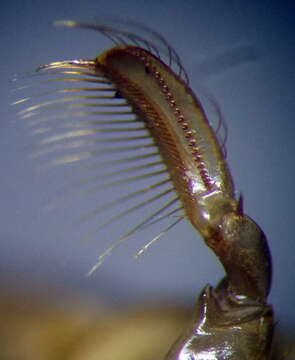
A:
243, 54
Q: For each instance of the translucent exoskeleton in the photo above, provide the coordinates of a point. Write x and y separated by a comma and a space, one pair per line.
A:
140, 87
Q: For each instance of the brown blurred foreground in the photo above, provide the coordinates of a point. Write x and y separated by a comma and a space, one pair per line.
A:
36, 330
31, 330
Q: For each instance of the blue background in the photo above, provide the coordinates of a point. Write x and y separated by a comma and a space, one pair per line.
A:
243, 53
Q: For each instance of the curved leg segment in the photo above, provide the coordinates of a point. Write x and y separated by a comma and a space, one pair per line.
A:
233, 320
225, 330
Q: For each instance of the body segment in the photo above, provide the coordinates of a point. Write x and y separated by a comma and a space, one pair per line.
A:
179, 126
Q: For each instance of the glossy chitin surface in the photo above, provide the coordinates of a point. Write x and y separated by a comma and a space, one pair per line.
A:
178, 123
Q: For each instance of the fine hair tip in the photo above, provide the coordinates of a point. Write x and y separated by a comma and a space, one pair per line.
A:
67, 23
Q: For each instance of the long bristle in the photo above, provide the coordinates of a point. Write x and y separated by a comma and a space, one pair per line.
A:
124, 198
70, 130
163, 232
158, 45
125, 237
